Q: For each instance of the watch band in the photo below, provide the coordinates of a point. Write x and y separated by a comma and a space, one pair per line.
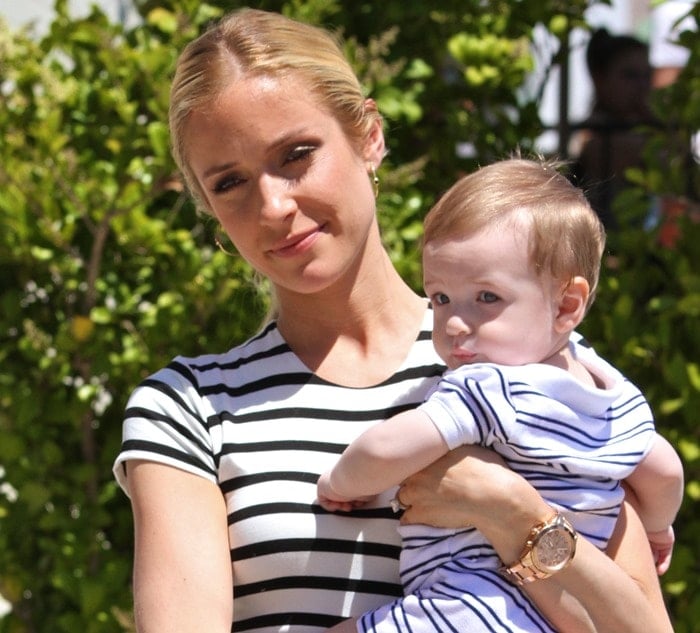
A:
521, 573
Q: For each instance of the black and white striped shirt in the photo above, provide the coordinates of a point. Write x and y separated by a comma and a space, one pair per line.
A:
262, 426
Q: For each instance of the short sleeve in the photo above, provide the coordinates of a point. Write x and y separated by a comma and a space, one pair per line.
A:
471, 405
166, 422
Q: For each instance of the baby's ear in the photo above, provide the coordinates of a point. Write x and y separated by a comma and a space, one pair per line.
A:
572, 305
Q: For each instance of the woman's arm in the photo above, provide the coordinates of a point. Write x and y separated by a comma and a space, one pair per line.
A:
470, 485
182, 564
579, 586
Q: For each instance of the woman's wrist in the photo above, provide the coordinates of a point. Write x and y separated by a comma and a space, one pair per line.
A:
509, 518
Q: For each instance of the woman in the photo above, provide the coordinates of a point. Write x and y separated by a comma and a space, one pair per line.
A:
221, 452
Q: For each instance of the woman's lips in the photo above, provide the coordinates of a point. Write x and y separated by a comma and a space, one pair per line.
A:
296, 244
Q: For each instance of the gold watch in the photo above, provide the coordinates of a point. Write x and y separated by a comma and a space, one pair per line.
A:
549, 548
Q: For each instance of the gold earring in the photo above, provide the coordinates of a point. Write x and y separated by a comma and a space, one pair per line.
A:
220, 246
375, 180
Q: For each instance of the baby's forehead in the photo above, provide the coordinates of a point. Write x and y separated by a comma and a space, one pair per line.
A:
478, 254
513, 226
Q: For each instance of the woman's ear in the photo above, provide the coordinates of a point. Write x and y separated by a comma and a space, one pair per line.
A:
375, 148
572, 305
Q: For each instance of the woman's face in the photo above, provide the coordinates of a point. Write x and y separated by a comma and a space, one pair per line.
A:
287, 185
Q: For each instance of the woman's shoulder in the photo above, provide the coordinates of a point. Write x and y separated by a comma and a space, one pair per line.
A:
263, 354
265, 343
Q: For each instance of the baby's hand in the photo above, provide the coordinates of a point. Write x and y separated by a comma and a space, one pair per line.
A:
662, 547
333, 502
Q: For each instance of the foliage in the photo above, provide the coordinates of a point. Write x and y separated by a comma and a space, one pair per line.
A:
106, 271
646, 314
103, 265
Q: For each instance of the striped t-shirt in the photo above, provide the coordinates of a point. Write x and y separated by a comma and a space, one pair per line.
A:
261, 425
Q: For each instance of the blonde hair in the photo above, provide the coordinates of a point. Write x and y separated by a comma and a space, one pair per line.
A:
566, 236
250, 42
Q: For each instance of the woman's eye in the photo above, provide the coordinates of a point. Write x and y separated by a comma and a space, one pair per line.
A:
227, 183
440, 299
488, 297
299, 153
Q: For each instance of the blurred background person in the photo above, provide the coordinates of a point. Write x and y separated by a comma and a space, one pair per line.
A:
611, 140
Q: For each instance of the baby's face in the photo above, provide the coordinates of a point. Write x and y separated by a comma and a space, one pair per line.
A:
489, 303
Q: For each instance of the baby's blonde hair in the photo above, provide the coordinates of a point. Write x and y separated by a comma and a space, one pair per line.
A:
566, 237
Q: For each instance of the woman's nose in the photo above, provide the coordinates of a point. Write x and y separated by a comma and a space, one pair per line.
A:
277, 201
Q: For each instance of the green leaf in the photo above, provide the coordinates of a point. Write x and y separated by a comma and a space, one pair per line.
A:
694, 375
162, 19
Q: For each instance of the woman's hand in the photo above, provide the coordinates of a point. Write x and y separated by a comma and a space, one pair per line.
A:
436, 494
472, 486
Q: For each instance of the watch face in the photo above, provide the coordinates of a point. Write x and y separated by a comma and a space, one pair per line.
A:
553, 550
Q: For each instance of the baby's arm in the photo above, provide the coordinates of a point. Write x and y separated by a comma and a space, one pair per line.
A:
382, 457
657, 483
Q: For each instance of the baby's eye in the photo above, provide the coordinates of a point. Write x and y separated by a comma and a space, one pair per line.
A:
440, 299
227, 183
485, 296
299, 153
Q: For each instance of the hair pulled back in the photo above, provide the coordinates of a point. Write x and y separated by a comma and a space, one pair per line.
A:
251, 42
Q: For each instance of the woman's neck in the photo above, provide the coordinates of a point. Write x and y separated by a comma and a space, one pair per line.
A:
355, 333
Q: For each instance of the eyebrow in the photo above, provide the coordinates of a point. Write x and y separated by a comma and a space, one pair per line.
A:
216, 169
